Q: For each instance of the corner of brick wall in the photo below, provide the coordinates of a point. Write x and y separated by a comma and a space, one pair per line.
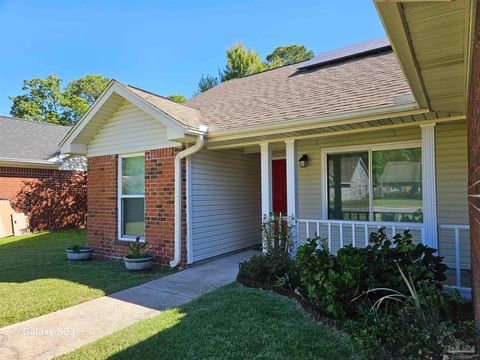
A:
159, 206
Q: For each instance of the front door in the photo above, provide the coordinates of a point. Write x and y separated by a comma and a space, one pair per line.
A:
279, 186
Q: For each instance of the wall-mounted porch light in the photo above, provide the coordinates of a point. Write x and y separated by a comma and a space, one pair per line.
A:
303, 161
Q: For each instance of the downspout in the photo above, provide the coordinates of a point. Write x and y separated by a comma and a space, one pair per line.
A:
178, 196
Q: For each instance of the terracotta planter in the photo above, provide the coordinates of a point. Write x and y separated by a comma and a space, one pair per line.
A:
83, 253
138, 264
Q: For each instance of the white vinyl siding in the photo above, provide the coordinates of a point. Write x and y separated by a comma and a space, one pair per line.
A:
129, 130
225, 202
452, 179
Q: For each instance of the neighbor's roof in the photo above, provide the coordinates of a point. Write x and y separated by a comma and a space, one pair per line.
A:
289, 93
28, 139
402, 171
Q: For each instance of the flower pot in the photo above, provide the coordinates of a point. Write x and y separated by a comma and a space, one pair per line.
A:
137, 264
83, 253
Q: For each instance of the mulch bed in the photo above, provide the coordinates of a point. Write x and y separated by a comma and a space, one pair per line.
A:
315, 314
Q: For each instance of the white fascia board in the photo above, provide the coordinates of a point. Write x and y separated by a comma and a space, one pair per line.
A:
327, 120
28, 163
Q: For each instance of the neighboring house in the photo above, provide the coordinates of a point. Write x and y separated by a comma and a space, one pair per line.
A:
195, 179
40, 189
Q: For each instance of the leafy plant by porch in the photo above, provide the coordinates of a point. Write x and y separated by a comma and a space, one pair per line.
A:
36, 278
341, 285
231, 323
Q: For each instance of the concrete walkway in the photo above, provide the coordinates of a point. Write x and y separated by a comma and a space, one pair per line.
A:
62, 331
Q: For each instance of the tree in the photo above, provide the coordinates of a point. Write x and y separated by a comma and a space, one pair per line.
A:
45, 101
241, 62
41, 102
206, 82
177, 98
88, 87
287, 55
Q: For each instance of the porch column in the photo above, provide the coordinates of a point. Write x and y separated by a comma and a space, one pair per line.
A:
429, 186
291, 162
266, 175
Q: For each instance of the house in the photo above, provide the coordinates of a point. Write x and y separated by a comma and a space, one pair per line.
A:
34, 176
195, 179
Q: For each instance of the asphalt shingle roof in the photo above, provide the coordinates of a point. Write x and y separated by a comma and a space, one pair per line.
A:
29, 139
287, 93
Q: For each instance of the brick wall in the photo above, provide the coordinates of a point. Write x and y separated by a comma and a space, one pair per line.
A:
12, 179
159, 206
51, 199
474, 168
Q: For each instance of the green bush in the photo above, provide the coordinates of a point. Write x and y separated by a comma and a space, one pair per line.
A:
412, 328
266, 268
336, 283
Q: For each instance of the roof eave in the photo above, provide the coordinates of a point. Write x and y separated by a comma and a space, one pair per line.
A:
397, 32
318, 121
28, 163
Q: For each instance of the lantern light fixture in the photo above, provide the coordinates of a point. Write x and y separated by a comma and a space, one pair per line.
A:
303, 161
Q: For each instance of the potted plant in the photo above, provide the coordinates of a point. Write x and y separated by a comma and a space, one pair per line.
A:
77, 252
139, 258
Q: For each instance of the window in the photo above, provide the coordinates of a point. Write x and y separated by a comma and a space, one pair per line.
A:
131, 190
375, 185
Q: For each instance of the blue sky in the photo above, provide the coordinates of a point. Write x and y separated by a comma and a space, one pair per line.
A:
163, 46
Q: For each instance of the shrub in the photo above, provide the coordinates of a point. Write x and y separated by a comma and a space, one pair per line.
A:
266, 268
335, 283
412, 327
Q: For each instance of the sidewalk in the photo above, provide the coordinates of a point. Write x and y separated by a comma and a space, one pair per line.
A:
62, 331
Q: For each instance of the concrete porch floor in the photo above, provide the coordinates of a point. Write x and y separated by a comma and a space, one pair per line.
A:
62, 331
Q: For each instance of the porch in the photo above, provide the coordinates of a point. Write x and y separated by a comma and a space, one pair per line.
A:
412, 177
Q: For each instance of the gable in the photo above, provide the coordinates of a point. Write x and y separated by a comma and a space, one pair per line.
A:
129, 129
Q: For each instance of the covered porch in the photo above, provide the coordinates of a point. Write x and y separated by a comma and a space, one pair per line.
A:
405, 175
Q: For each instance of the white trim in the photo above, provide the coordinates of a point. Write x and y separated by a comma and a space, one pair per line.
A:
120, 196
357, 148
177, 256
291, 164
175, 129
266, 177
338, 118
429, 187
188, 193
28, 163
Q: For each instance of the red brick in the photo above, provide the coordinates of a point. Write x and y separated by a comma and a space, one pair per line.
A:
159, 206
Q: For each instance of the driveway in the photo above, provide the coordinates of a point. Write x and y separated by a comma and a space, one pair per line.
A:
62, 331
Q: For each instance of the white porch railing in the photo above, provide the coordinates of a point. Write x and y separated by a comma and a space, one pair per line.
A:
343, 232
347, 232
461, 254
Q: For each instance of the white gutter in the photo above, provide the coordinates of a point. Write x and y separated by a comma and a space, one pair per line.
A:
178, 196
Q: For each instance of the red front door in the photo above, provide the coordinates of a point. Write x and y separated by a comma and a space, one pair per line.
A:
279, 186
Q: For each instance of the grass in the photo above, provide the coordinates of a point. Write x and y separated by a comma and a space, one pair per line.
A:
36, 278
231, 323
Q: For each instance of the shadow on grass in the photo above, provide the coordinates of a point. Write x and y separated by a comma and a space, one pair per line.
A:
231, 323
42, 256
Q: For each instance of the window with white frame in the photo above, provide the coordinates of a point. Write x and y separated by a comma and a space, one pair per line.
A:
131, 196
375, 184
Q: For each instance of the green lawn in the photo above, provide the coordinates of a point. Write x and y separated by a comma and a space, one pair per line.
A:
36, 278
231, 323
